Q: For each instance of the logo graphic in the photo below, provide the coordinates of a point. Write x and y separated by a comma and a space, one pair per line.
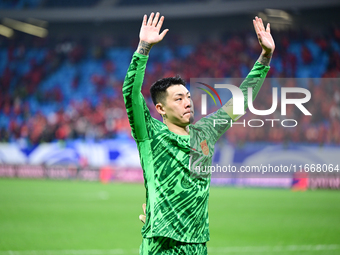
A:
235, 106
204, 97
238, 99
205, 148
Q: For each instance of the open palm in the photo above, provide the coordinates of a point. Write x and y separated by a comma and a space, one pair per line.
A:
149, 31
265, 38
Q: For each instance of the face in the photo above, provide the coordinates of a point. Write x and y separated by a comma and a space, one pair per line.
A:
178, 107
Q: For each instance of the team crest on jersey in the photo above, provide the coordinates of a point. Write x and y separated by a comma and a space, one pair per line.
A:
185, 183
205, 148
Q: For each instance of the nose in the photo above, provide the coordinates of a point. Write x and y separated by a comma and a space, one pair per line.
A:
187, 103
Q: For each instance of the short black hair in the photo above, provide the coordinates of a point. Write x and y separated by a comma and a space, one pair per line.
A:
158, 89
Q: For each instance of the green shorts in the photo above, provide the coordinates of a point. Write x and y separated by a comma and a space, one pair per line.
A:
164, 245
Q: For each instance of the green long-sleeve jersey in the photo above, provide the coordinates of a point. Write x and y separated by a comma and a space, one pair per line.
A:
176, 200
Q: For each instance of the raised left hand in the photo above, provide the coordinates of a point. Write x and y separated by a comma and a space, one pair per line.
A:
265, 38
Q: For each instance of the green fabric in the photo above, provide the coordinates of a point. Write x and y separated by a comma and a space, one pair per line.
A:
176, 198
255, 80
167, 246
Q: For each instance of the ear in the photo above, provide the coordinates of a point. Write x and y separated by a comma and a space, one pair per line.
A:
160, 109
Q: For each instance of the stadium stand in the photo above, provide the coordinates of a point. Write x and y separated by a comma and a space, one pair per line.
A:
55, 89
33, 4
20, 4
69, 3
150, 2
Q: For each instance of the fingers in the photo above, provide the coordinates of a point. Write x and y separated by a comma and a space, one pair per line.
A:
144, 20
160, 23
258, 25
144, 208
255, 26
150, 19
164, 33
142, 218
155, 20
261, 25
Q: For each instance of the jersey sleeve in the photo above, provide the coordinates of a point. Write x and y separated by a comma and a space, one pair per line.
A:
216, 123
138, 113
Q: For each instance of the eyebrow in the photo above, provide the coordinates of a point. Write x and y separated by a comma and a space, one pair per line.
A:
181, 94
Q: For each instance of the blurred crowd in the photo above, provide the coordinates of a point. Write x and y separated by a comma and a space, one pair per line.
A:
34, 4
19, 4
54, 89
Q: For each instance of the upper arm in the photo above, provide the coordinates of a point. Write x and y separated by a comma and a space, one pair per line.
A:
138, 113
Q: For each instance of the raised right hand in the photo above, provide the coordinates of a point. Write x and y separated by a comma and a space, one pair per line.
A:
149, 32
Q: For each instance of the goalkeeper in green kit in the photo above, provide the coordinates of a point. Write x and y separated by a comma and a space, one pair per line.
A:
177, 219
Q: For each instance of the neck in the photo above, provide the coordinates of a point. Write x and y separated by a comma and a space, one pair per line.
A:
177, 129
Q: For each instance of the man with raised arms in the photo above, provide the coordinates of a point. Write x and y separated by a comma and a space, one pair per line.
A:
177, 219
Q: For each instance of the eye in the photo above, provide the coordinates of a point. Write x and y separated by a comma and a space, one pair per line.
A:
178, 99
189, 96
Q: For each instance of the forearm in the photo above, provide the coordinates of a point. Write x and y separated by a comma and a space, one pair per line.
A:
133, 98
144, 48
265, 58
255, 78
